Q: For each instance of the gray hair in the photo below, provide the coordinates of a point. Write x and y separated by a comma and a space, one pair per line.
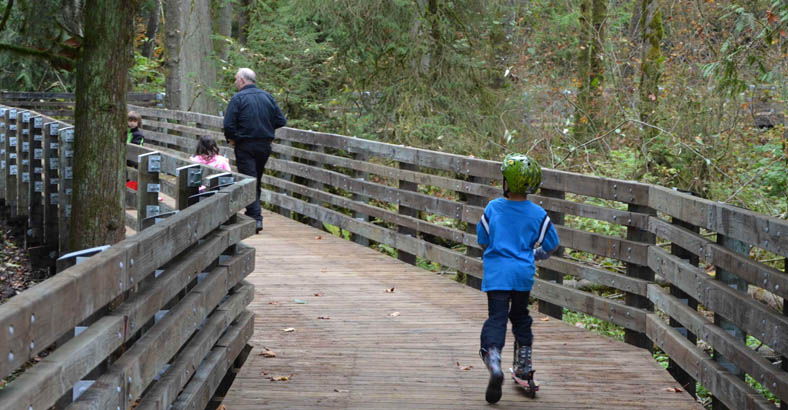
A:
247, 74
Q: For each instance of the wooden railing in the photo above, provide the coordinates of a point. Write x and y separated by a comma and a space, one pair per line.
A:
156, 321
424, 205
61, 105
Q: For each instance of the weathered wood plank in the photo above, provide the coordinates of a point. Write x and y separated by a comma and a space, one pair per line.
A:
735, 393
604, 245
140, 364
755, 273
625, 191
182, 116
399, 241
752, 316
420, 225
616, 216
614, 312
380, 192
208, 376
391, 172
86, 287
165, 391
598, 276
759, 230
742, 355
42, 385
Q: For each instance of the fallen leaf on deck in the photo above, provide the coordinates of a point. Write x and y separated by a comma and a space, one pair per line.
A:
267, 353
273, 303
464, 368
394, 314
674, 389
390, 290
319, 294
341, 391
281, 378
545, 319
289, 329
318, 237
324, 317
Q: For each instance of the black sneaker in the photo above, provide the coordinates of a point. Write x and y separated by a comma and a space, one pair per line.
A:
259, 226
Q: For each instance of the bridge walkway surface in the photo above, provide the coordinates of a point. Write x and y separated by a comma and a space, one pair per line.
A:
343, 339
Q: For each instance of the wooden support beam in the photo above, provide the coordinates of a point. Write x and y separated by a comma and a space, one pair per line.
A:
148, 188
66, 179
35, 222
639, 271
546, 274
407, 211
51, 180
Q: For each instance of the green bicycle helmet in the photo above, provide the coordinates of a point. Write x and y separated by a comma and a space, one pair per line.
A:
521, 173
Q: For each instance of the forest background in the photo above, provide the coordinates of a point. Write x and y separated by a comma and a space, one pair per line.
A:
685, 94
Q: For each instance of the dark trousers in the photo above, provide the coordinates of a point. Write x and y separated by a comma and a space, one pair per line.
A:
498, 310
250, 157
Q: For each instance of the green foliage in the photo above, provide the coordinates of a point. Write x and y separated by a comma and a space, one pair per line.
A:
146, 75
593, 324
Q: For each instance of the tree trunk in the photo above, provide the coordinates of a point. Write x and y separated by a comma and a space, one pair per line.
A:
189, 63
222, 26
243, 20
650, 71
152, 30
100, 124
590, 68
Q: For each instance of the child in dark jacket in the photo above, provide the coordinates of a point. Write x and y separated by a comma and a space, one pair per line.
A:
514, 233
134, 135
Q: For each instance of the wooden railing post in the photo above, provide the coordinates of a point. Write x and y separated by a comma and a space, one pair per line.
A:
66, 177
12, 167
35, 224
549, 275
23, 174
189, 182
406, 211
51, 165
315, 223
284, 211
480, 201
731, 280
639, 272
362, 176
148, 188
3, 159
687, 382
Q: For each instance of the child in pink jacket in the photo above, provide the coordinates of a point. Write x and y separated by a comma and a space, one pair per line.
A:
208, 154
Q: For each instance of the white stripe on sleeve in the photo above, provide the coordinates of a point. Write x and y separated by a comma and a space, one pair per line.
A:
485, 224
543, 229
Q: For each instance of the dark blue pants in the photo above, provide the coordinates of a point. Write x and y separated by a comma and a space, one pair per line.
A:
251, 155
503, 305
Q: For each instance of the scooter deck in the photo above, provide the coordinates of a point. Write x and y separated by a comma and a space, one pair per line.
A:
530, 386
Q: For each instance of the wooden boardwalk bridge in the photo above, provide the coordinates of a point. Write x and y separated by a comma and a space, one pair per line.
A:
186, 311
356, 344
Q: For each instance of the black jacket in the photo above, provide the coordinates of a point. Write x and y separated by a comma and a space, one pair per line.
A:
252, 113
135, 136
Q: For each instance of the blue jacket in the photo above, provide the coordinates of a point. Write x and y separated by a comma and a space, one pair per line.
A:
510, 230
252, 113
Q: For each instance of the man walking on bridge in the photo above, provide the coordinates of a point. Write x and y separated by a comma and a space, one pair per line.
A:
249, 124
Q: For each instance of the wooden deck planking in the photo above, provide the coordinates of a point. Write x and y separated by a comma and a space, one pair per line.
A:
362, 357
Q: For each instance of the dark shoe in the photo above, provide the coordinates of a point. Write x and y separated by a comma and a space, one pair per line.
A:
259, 226
492, 359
